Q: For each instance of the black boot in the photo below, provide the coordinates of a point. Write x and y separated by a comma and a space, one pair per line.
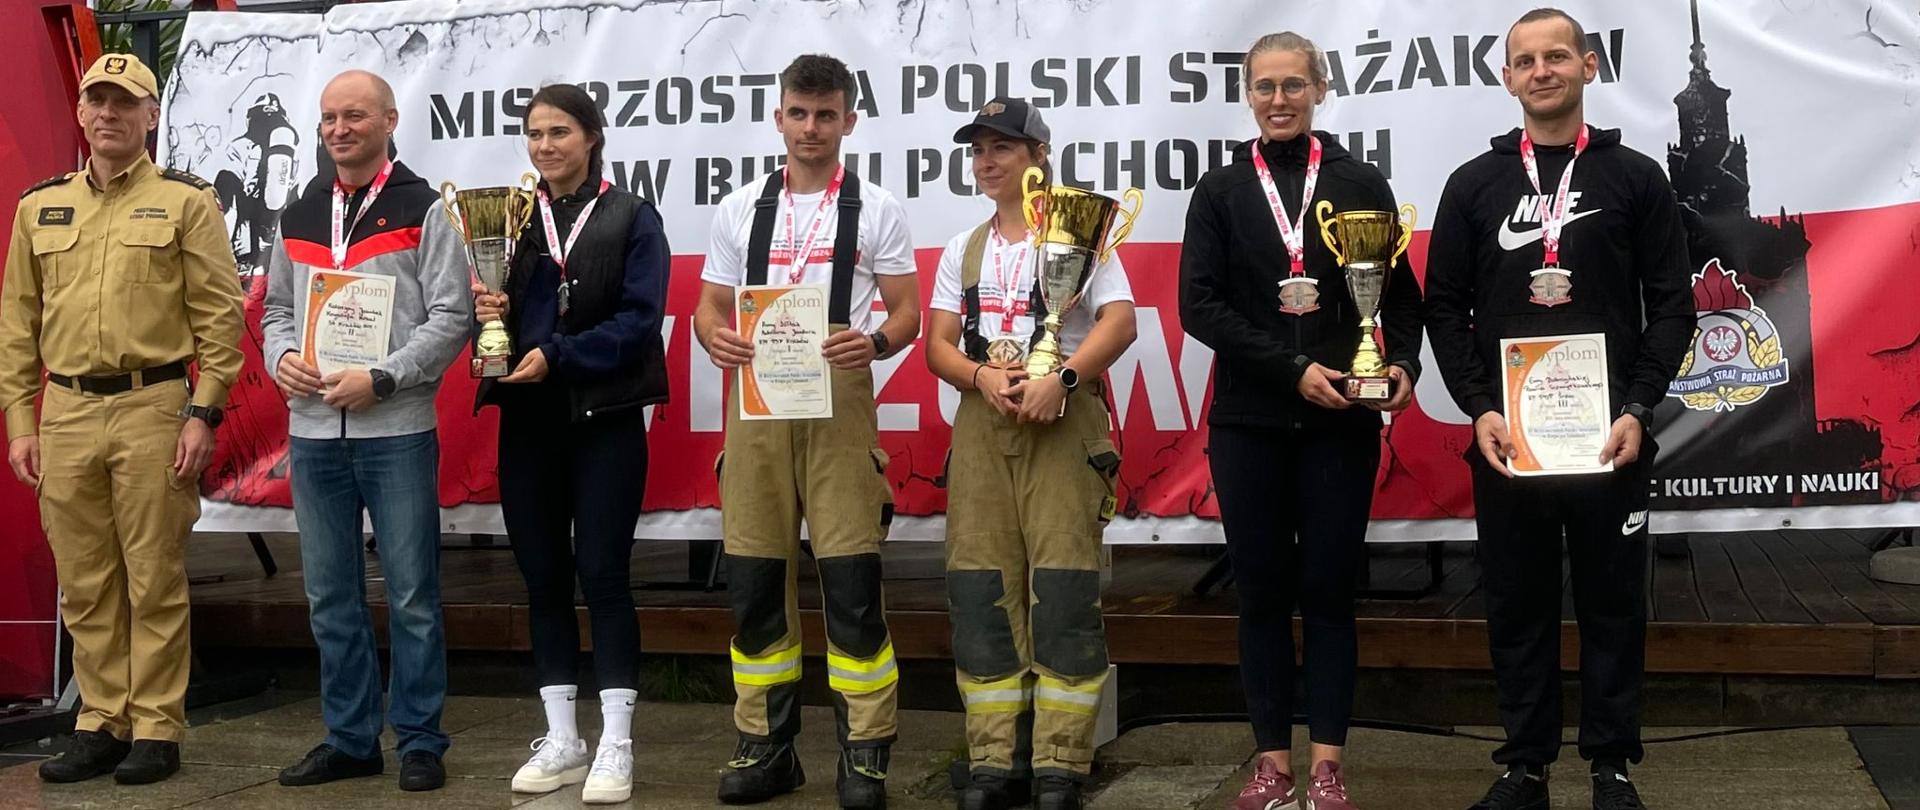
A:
1056, 793
150, 761
89, 754
985, 792
760, 771
862, 782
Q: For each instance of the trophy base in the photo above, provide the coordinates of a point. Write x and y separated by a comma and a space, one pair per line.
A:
1369, 389
491, 367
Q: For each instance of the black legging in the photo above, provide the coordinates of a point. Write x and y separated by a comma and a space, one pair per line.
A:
1276, 485
555, 472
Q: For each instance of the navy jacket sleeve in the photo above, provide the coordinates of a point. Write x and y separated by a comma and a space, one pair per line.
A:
1451, 290
1206, 310
1660, 256
618, 342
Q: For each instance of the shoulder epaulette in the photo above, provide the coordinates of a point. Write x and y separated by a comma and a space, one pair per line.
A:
51, 181
189, 178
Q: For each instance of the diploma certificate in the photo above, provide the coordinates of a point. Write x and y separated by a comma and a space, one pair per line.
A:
349, 319
1558, 410
788, 377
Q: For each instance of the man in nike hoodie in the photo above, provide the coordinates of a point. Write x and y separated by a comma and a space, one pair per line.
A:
364, 440
1490, 275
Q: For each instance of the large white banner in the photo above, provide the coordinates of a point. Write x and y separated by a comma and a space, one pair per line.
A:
1814, 147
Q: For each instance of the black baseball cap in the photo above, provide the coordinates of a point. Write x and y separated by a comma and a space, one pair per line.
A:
1011, 117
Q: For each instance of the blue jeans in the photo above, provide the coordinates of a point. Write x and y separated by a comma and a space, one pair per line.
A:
395, 480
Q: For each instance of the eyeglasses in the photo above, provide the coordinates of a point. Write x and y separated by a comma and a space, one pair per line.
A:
1293, 88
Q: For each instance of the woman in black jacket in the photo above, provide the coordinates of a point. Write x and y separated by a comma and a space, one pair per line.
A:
1293, 460
587, 290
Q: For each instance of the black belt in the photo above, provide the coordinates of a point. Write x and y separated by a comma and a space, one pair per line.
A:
104, 384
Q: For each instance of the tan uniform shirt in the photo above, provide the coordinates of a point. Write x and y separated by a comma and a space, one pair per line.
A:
116, 279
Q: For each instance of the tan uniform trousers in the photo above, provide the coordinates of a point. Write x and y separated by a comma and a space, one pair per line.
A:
118, 524
1026, 505
832, 472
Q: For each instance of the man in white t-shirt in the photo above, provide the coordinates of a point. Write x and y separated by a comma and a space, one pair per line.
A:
812, 223
1030, 485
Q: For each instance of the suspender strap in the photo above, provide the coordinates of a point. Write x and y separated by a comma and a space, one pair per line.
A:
846, 251
760, 243
971, 342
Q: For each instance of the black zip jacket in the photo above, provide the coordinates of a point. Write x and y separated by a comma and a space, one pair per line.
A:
1623, 243
1232, 262
606, 352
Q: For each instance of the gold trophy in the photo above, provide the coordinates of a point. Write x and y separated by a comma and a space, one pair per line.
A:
1366, 244
489, 222
1075, 235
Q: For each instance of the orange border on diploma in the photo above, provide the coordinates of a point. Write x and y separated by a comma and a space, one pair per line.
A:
751, 402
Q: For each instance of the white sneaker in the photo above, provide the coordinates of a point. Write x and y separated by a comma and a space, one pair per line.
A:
556, 763
611, 780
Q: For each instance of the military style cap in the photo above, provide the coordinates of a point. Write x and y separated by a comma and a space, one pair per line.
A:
124, 70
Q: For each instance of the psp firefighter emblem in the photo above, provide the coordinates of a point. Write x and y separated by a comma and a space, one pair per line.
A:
1735, 356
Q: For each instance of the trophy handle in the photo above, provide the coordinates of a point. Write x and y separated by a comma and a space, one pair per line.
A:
1122, 230
1408, 216
523, 196
1032, 188
452, 208
1324, 213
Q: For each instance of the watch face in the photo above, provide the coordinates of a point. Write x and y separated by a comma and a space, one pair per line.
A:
1069, 378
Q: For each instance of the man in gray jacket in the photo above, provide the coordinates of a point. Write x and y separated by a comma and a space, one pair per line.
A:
363, 438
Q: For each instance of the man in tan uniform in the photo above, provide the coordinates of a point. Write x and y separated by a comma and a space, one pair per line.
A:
812, 223
118, 278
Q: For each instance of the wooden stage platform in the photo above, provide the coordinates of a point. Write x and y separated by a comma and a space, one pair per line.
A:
1766, 603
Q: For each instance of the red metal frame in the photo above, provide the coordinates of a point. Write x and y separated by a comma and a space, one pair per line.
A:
76, 40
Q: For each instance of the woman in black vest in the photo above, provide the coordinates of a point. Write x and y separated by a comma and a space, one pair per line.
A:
1293, 460
587, 290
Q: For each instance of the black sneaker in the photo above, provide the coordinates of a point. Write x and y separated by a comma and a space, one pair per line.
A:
1612, 790
1056, 793
422, 770
760, 771
326, 763
985, 792
862, 781
148, 762
89, 754
1521, 788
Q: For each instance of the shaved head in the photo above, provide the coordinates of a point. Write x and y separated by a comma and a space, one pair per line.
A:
357, 119
362, 83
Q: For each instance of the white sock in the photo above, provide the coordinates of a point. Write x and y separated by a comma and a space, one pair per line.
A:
616, 715
559, 703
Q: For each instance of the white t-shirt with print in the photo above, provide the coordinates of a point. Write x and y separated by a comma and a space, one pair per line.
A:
1015, 265
886, 248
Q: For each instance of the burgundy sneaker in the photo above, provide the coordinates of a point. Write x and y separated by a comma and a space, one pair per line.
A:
1267, 789
1327, 791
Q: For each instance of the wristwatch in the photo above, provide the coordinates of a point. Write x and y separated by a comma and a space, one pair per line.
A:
880, 343
383, 384
212, 416
1069, 379
1640, 412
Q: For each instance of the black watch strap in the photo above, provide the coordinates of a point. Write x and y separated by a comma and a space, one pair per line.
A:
383, 384
1640, 412
881, 345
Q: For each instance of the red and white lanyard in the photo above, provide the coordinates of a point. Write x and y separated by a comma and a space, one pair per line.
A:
1293, 232
342, 229
1555, 217
559, 251
1009, 288
797, 263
